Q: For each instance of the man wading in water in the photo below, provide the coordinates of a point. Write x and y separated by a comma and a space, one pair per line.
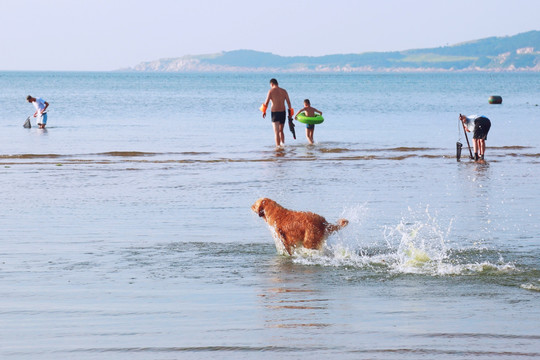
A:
41, 110
278, 96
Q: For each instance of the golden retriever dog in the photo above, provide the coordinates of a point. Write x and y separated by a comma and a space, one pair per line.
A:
296, 228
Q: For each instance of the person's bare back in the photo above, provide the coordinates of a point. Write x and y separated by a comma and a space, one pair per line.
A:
278, 96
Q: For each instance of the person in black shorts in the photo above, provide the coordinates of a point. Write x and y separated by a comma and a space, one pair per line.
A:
479, 125
278, 97
279, 116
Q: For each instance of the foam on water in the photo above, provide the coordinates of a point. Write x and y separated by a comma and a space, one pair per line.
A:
416, 245
532, 287
280, 248
419, 245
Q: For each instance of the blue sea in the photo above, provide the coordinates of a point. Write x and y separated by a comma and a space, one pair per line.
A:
126, 230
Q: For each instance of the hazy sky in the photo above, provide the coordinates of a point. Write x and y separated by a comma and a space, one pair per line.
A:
112, 34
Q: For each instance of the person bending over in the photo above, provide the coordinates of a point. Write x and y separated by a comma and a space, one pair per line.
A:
41, 110
479, 125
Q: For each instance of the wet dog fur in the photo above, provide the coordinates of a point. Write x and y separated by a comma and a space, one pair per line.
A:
296, 228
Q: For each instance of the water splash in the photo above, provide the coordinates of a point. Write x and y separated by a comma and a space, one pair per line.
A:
418, 244
531, 286
280, 248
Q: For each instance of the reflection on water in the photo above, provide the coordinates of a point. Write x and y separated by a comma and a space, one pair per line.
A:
290, 299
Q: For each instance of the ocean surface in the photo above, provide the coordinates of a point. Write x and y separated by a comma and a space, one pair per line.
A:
126, 230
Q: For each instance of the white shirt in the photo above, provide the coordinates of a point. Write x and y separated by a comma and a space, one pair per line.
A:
469, 122
39, 104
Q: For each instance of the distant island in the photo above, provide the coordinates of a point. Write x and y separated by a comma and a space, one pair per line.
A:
520, 52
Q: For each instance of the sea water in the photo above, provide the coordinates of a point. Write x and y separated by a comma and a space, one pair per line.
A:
126, 230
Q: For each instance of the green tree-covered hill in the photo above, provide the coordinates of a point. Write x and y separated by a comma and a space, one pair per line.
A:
520, 52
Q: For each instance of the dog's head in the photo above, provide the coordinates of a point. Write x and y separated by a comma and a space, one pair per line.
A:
259, 205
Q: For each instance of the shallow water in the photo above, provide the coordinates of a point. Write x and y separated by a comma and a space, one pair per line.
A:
126, 228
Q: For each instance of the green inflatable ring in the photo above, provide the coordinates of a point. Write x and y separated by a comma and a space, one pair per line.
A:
310, 120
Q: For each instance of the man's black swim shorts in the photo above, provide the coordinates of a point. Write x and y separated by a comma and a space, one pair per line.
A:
279, 116
481, 128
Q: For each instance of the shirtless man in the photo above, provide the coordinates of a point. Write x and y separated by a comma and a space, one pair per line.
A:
278, 96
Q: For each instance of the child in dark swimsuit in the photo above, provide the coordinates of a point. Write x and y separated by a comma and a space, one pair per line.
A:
310, 112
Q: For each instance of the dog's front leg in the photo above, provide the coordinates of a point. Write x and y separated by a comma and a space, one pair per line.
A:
285, 242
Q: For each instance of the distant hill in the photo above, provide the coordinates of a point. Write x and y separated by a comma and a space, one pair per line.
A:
520, 52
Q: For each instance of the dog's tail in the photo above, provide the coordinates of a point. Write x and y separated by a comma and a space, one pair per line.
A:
341, 223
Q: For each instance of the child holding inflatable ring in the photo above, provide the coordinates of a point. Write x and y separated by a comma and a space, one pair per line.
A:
309, 111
